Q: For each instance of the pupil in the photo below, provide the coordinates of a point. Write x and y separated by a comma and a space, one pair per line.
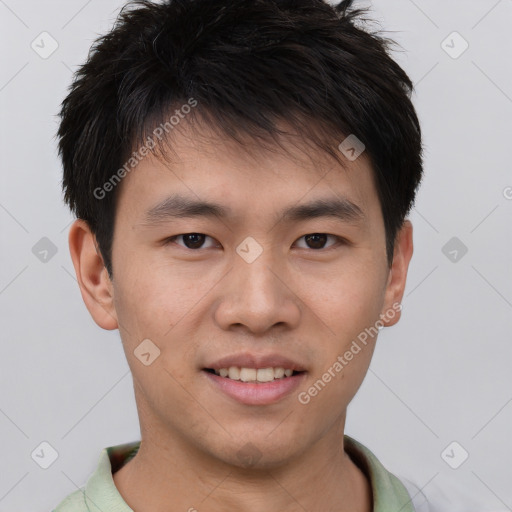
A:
196, 240
313, 238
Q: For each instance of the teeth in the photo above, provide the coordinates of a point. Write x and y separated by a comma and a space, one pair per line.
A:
278, 373
248, 374
253, 374
265, 374
233, 373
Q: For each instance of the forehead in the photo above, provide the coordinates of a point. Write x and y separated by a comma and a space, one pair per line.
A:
249, 178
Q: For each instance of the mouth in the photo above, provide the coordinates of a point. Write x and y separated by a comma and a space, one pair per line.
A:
254, 375
254, 386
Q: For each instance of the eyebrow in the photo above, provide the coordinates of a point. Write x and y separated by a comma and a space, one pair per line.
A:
178, 206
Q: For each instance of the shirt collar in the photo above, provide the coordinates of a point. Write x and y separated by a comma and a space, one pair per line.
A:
389, 494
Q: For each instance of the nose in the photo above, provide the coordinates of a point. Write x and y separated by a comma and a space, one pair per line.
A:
258, 298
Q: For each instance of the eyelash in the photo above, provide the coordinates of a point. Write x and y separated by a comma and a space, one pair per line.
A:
339, 241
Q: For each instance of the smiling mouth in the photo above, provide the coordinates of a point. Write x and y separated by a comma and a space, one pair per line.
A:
254, 375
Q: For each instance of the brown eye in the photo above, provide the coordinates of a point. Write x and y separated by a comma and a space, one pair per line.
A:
190, 240
317, 241
193, 240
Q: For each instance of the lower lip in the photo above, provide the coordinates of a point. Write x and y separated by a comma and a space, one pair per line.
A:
252, 393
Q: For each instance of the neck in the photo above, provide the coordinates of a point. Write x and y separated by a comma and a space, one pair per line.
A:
169, 475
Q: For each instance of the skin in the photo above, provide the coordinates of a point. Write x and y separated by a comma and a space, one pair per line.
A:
297, 299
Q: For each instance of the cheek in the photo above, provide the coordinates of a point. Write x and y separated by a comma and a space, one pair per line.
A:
348, 308
151, 298
349, 300
329, 392
162, 307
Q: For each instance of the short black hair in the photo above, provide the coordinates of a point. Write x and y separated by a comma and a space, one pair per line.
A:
245, 66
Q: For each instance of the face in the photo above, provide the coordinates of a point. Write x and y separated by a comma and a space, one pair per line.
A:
282, 267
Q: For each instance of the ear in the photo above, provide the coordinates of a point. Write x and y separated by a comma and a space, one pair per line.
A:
397, 277
95, 285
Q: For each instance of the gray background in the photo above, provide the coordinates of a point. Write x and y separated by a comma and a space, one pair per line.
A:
441, 375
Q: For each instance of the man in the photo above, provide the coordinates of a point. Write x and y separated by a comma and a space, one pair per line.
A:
241, 172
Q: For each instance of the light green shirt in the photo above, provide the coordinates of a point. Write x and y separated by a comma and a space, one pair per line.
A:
101, 495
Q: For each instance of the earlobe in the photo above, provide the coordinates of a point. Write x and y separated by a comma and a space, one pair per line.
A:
397, 278
95, 285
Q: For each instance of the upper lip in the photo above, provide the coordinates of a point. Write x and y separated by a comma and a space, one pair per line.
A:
248, 360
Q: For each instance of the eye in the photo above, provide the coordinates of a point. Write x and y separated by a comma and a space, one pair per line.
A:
318, 240
195, 241
191, 240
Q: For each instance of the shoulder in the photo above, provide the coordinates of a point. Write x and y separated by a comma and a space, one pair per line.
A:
100, 493
74, 502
